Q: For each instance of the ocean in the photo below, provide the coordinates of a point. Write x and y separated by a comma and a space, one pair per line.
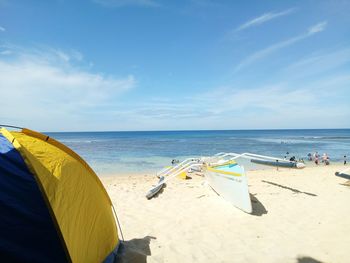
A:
147, 152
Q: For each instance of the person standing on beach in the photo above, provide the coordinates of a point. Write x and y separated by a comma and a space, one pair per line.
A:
324, 158
344, 159
316, 159
309, 156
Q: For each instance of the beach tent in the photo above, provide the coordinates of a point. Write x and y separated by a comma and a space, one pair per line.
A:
53, 207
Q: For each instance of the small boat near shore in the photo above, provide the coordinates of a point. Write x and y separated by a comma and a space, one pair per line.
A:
224, 175
279, 163
230, 182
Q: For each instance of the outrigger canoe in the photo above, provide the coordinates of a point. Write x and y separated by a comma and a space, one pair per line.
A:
225, 176
230, 182
278, 163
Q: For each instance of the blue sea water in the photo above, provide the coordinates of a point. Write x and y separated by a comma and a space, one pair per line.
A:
148, 151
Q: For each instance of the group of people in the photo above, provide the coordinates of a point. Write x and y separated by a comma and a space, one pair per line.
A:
174, 161
316, 158
325, 158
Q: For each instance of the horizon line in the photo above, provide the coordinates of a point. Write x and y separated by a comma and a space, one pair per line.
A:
201, 130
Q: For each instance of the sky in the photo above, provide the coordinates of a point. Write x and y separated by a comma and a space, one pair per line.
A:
116, 65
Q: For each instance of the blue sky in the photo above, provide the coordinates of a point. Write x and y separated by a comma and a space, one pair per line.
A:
174, 65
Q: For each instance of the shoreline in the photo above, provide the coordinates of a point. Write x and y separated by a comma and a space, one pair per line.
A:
308, 164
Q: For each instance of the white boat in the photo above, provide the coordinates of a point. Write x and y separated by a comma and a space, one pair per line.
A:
224, 175
230, 182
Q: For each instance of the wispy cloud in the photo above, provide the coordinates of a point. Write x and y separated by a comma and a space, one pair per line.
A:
121, 3
278, 105
264, 18
42, 53
50, 90
2, 29
317, 28
273, 48
319, 63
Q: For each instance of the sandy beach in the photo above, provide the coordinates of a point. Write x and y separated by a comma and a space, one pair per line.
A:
298, 216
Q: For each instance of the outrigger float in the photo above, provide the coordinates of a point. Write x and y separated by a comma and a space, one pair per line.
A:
343, 173
223, 174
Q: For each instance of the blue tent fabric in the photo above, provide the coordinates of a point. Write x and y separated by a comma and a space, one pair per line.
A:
113, 255
27, 232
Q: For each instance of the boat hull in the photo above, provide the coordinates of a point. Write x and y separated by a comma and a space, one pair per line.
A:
276, 163
231, 184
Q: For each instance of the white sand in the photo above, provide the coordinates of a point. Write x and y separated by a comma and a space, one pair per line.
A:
299, 216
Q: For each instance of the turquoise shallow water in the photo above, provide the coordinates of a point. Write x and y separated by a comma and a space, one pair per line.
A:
147, 152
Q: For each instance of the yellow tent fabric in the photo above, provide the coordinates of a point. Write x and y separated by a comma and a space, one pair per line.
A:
76, 197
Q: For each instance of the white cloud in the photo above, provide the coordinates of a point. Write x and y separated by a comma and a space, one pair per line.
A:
42, 53
278, 105
318, 63
121, 3
273, 48
2, 29
42, 89
264, 18
310, 103
317, 28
